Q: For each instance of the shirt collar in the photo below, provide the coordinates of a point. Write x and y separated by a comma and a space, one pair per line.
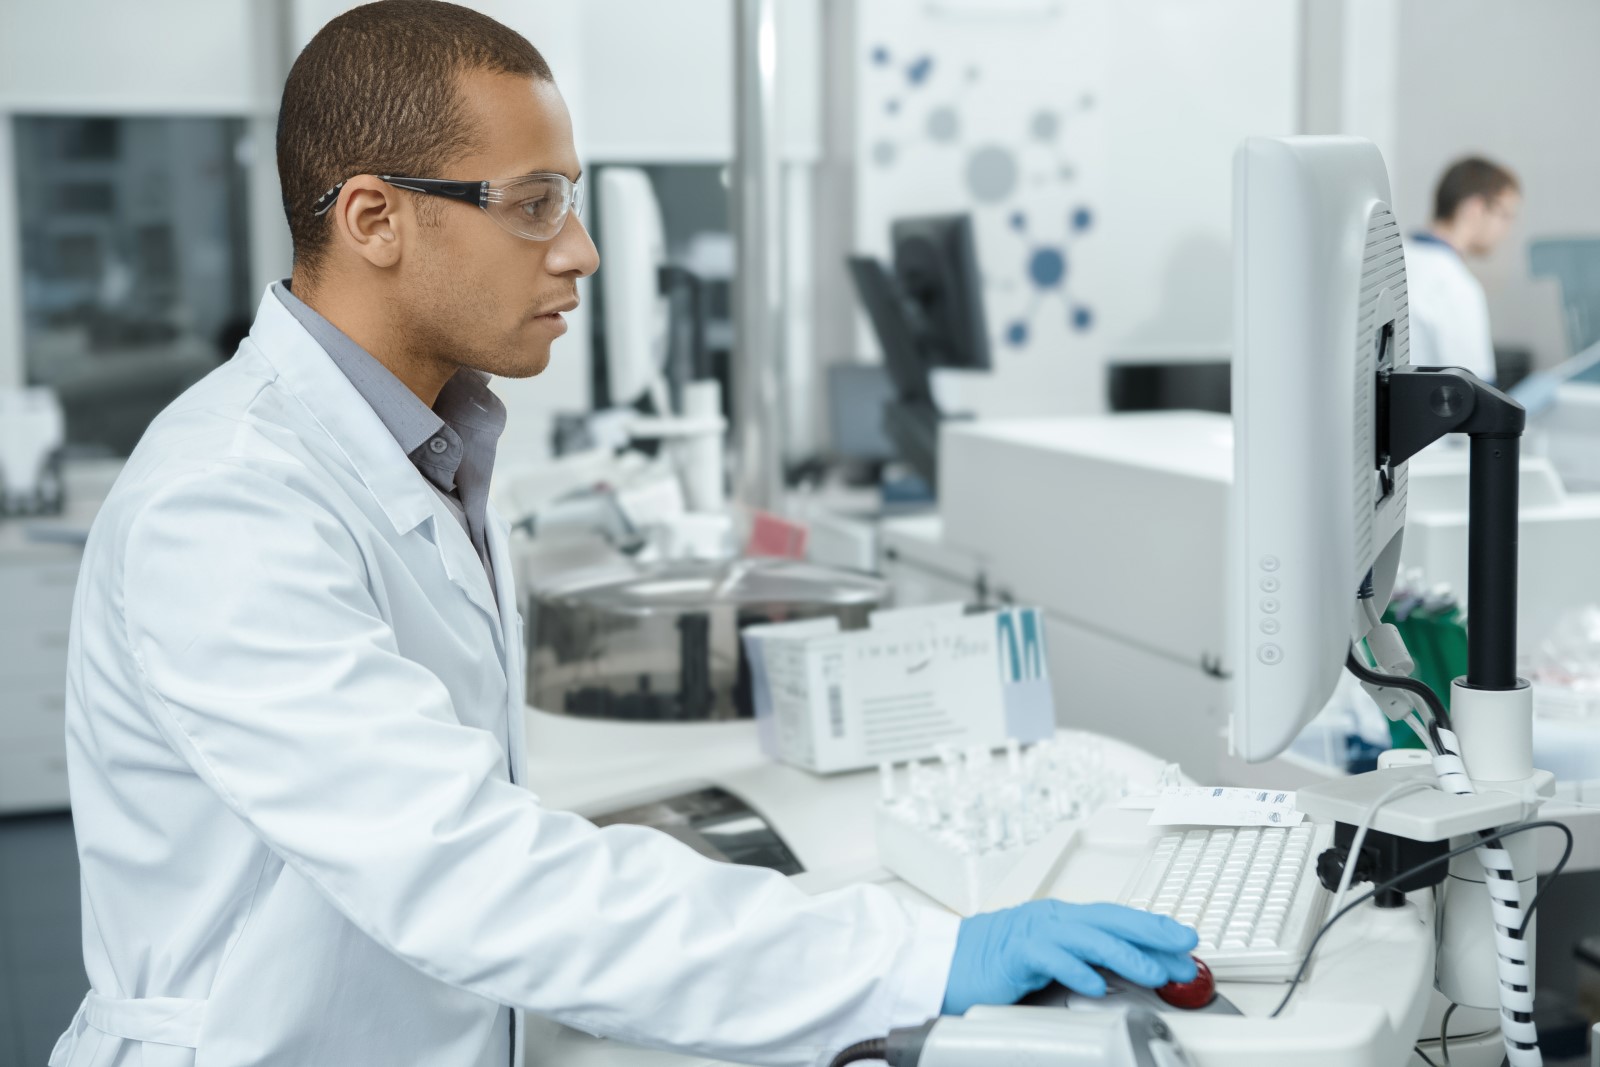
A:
1423, 237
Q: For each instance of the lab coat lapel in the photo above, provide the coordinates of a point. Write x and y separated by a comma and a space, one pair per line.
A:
311, 375
511, 643
465, 569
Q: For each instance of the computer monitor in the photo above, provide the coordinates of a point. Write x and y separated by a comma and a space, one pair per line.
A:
928, 313
1319, 312
633, 248
936, 264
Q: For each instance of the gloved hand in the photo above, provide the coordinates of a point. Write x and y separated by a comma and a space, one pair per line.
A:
1003, 956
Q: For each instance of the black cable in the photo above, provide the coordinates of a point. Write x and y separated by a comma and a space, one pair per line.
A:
875, 1049
1495, 835
1366, 674
1444, 1032
1423, 1056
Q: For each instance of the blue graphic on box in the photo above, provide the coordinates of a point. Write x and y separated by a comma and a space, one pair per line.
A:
1025, 675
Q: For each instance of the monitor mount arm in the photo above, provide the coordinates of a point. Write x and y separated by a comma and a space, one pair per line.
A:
1480, 961
1416, 407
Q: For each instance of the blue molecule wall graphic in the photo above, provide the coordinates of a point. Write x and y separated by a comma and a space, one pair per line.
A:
991, 174
1046, 267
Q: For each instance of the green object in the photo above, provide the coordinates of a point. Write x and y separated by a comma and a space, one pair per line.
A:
1436, 636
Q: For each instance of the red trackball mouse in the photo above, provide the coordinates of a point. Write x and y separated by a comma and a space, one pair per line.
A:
1191, 995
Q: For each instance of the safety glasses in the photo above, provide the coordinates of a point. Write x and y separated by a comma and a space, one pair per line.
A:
534, 206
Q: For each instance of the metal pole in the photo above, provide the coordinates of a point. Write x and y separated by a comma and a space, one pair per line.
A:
1492, 562
758, 278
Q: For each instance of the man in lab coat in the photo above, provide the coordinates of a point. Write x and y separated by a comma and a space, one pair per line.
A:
295, 705
1474, 206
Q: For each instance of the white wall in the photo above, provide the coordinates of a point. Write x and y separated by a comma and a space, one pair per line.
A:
1152, 97
1186, 83
109, 57
1519, 83
661, 80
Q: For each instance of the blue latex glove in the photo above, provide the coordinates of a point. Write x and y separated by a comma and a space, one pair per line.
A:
1003, 956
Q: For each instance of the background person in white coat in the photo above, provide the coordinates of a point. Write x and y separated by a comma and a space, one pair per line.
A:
295, 705
1473, 209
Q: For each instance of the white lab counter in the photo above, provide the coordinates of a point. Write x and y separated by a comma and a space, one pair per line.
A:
1363, 1004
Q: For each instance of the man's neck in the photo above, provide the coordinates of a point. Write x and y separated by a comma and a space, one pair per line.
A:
363, 321
1447, 233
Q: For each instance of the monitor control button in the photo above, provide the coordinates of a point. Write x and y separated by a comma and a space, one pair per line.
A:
1269, 563
1270, 626
1270, 585
1269, 654
1269, 605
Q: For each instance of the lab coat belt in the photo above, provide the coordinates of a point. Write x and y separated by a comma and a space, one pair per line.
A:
160, 1020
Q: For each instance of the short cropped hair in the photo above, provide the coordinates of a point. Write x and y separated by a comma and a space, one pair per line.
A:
376, 92
1467, 178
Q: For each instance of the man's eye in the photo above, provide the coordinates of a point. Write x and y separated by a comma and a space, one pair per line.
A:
535, 207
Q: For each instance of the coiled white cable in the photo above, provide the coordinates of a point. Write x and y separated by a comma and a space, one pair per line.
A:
1505, 900
1517, 1031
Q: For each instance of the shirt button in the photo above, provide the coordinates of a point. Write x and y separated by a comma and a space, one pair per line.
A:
438, 445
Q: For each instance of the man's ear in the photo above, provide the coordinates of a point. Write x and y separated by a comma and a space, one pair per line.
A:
369, 219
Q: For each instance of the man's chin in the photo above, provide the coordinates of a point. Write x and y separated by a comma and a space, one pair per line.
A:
527, 362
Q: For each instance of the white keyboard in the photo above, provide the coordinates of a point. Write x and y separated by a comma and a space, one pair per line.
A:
1251, 892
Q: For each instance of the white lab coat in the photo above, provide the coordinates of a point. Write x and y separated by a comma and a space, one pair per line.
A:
1448, 310
291, 702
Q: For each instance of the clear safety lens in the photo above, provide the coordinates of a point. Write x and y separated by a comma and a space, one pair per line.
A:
536, 206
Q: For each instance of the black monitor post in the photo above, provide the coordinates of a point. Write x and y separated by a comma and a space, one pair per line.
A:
927, 314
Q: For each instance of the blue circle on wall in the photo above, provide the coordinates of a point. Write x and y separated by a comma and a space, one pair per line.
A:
1082, 318
1082, 219
1047, 266
1017, 334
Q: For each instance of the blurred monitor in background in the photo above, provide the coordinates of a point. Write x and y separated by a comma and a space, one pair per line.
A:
927, 313
134, 259
1473, 208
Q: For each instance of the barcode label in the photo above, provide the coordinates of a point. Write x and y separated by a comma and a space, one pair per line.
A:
836, 710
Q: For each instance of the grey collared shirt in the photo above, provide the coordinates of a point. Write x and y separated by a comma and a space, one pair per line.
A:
452, 444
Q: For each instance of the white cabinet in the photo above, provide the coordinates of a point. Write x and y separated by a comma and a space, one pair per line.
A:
36, 586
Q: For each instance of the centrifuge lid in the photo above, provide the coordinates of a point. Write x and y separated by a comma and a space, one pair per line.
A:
691, 586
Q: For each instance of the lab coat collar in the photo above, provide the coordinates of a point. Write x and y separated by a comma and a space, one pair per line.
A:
311, 375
